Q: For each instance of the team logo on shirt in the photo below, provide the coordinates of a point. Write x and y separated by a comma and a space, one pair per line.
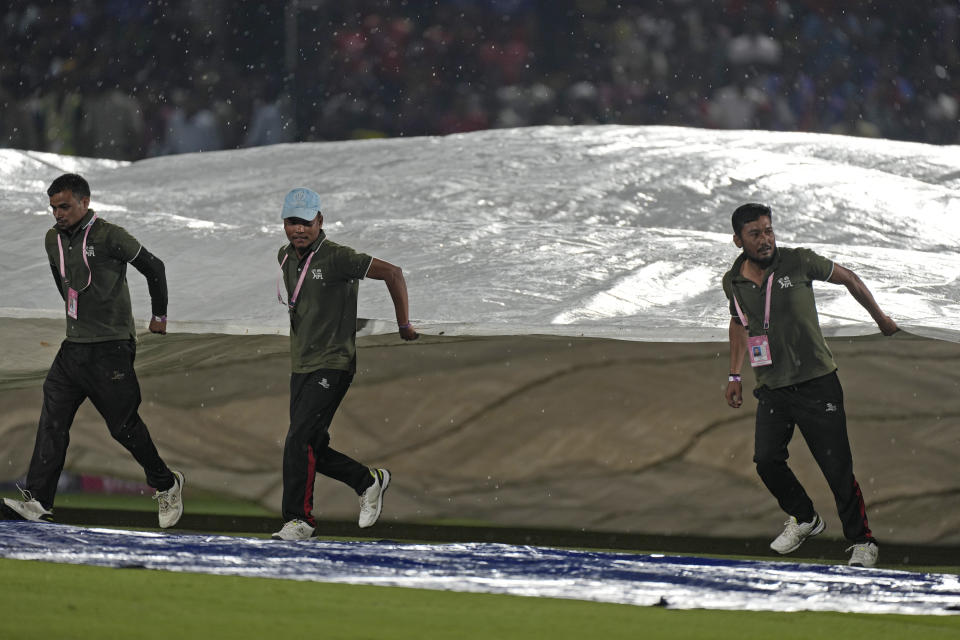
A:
317, 274
90, 251
784, 282
831, 408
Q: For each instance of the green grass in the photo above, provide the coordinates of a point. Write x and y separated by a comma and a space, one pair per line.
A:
47, 600
200, 502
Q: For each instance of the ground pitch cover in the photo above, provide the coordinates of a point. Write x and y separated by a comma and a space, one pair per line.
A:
646, 580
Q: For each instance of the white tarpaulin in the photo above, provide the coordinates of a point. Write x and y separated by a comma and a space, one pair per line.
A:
598, 231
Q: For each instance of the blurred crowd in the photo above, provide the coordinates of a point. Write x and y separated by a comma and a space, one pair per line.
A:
129, 79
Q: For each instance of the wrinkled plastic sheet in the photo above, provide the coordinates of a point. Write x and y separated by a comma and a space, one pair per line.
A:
643, 580
604, 231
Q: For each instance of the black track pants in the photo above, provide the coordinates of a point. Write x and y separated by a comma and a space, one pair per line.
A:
816, 406
103, 372
314, 398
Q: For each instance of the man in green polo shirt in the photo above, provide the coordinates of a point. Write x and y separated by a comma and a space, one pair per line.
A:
321, 280
88, 257
774, 322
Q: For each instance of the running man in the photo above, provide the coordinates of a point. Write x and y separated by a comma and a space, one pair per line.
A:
774, 320
321, 280
88, 257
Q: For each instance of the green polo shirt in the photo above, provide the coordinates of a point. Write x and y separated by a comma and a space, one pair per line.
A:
797, 347
103, 307
323, 321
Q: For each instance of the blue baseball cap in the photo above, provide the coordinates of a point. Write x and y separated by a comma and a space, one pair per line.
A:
301, 203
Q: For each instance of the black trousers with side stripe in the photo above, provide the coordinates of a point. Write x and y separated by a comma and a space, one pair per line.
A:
816, 406
314, 399
102, 372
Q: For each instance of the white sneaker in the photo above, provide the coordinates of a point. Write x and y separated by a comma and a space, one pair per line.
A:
294, 530
28, 508
796, 532
864, 554
371, 502
169, 502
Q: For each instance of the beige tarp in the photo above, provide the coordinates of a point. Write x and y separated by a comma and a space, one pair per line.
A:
527, 431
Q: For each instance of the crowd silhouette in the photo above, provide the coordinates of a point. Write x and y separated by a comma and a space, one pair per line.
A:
129, 79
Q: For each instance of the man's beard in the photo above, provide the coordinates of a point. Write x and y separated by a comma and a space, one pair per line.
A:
763, 262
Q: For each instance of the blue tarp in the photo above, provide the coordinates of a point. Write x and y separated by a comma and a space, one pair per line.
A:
645, 580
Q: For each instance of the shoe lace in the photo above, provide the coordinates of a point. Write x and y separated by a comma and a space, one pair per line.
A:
162, 498
25, 494
294, 524
793, 525
366, 501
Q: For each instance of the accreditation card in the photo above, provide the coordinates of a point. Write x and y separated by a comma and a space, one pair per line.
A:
72, 302
759, 349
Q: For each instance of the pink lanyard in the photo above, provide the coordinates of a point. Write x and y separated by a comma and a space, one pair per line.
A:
296, 292
63, 266
766, 313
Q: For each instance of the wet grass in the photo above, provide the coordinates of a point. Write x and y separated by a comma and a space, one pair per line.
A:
47, 600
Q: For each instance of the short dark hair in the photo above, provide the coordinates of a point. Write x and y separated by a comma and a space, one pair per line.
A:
70, 182
748, 213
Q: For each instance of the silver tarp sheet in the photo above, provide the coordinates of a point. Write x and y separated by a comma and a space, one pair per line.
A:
608, 231
645, 580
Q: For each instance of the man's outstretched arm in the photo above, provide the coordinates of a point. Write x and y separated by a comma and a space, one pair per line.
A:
156, 274
392, 275
861, 294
